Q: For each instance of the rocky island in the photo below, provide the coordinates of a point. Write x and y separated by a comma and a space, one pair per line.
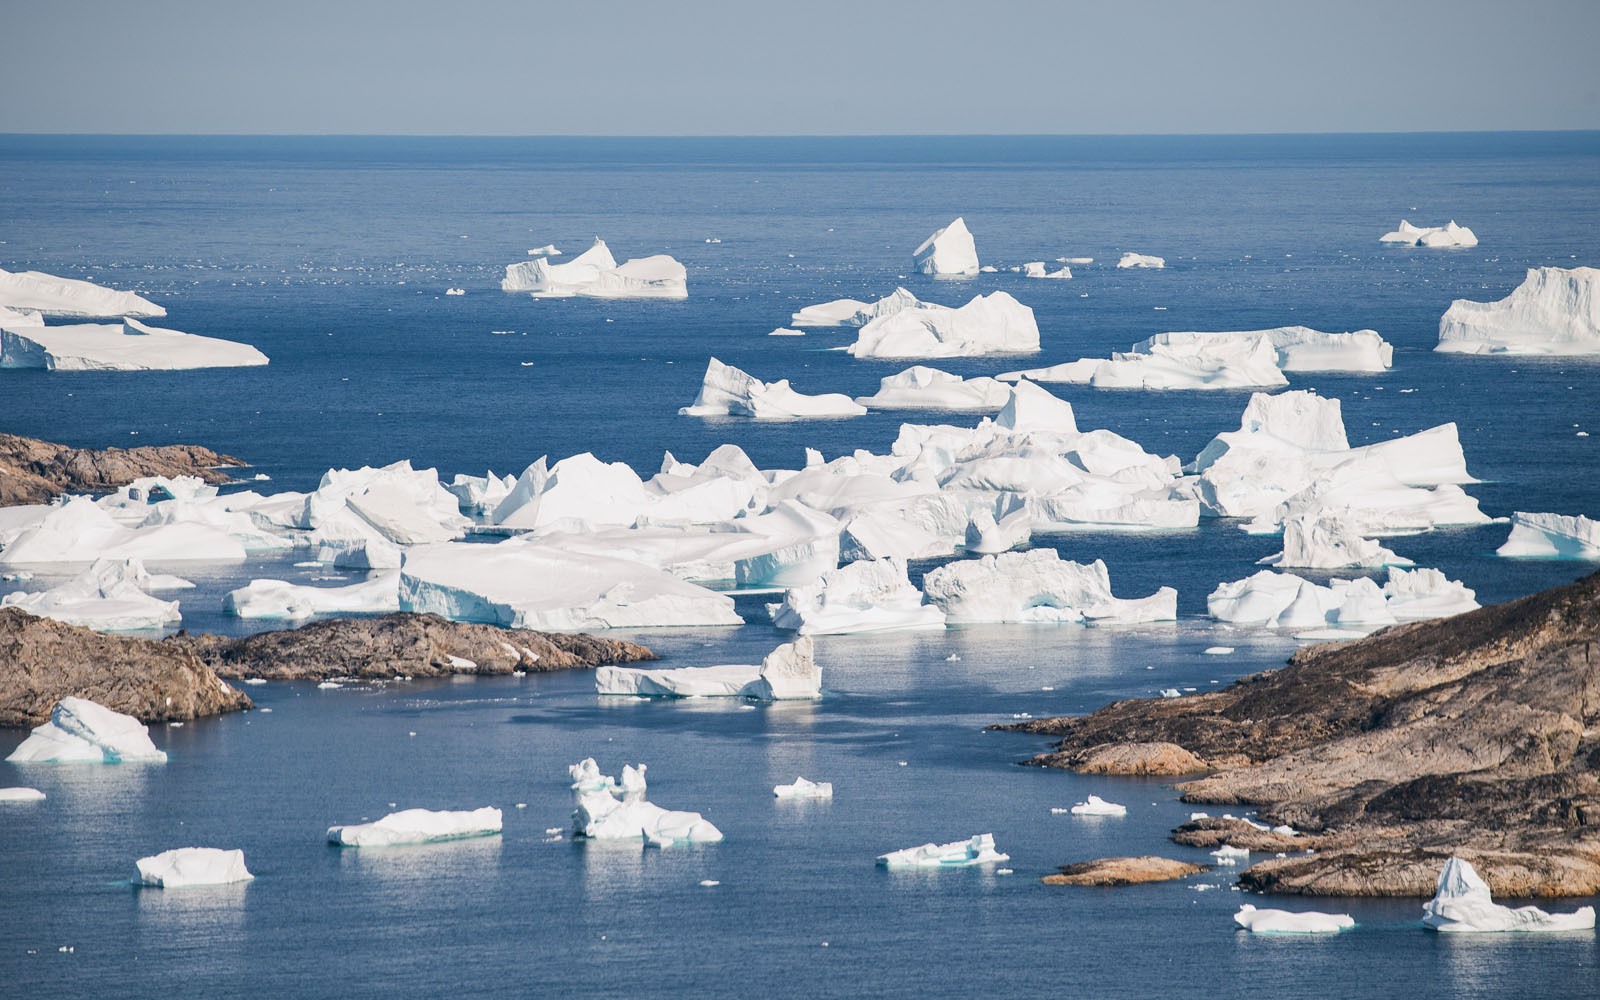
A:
34, 471
1476, 736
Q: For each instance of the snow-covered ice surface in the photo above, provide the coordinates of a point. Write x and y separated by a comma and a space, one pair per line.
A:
418, 826
923, 388
1448, 235
867, 596
84, 731
280, 599
109, 596
126, 346
1284, 600
1225, 360
184, 867
949, 252
1552, 536
957, 854
729, 392
1132, 260
1462, 904
51, 296
1094, 805
1271, 921
1556, 310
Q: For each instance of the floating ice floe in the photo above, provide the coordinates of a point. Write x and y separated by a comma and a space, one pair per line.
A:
989, 324
1447, 235
455, 291
1131, 259
1552, 536
1290, 922
1462, 904
418, 826
957, 854
727, 391
788, 673
839, 312
279, 599
1217, 650
1096, 806
1227, 854
867, 596
1283, 600
784, 331
1037, 269
1038, 586
70, 298
1223, 364
949, 252
609, 811
1321, 539
125, 346
803, 789
81, 730
923, 388
596, 274
193, 866
1556, 310
110, 596
548, 250
24, 794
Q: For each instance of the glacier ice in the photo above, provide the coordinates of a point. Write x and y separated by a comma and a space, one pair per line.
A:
1556, 310
1283, 600
788, 673
128, 346
192, 866
1462, 904
1291, 922
839, 312
83, 730
418, 826
607, 810
801, 788
1552, 536
49, 295
923, 388
596, 274
1321, 539
1448, 235
727, 391
867, 596
1038, 586
948, 252
989, 324
110, 596
958, 854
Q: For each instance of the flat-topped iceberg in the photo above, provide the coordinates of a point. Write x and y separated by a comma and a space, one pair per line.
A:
839, 312
867, 596
803, 789
607, 810
989, 324
126, 346
957, 854
923, 388
279, 599
1296, 348
788, 673
192, 866
24, 794
1038, 586
1283, 600
948, 252
1096, 806
418, 826
1552, 536
80, 530
596, 274
110, 596
1221, 364
72, 298
1462, 904
1130, 259
1447, 235
81, 730
1291, 922
727, 391
1556, 310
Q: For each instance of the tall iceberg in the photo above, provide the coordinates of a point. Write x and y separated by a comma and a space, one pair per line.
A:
989, 324
81, 730
948, 252
1462, 904
1556, 310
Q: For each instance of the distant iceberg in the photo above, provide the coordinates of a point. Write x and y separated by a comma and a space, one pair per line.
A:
1448, 235
23, 794
949, 252
1038, 586
607, 810
126, 346
800, 788
418, 826
193, 866
1554, 311
70, 298
788, 673
923, 388
83, 730
874, 596
548, 250
728, 392
596, 274
1463, 904
1552, 536
1141, 260
1290, 922
839, 312
989, 324
957, 854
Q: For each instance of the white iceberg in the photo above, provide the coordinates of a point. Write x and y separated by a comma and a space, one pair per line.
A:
1447, 235
948, 252
81, 730
989, 324
596, 274
279, 599
23, 794
1096, 806
788, 673
989, 535
193, 866
874, 596
957, 854
1291, 922
1552, 536
1131, 259
923, 388
1224, 364
803, 789
125, 346
839, 312
1556, 310
110, 596
49, 295
1038, 586
80, 530
1462, 904
418, 826
1283, 600
1227, 854
727, 391
609, 811
548, 250
1324, 540
1295, 348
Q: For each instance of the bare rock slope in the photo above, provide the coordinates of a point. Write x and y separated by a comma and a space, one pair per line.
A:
34, 471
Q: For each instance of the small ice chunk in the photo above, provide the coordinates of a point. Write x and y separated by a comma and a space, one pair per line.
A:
1287, 922
803, 789
21, 794
1218, 650
1227, 854
1096, 806
1141, 260
957, 854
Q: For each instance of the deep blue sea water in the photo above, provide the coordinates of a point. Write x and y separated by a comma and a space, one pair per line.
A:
332, 256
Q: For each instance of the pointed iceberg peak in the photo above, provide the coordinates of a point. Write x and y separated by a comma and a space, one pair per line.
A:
949, 251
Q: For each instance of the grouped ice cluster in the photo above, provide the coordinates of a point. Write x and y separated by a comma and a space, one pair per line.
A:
727, 391
801, 788
1291, 922
788, 673
110, 596
1038, 269
607, 810
987, 325
923, 388
979, 850
1038, 586
1552, 536
1556, 310
1462, 904
949, 252
1447, 235
192, 866
869, 595
1283, 600
83, 731
596, 274
418, 826
1141, 260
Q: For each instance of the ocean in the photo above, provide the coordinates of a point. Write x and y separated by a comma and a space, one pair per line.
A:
332, 256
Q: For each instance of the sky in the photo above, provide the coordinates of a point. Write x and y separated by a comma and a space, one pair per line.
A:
818, 67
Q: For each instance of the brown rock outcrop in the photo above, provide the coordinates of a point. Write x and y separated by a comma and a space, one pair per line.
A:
1123, 871
34, 471
1215, 831
1160, 759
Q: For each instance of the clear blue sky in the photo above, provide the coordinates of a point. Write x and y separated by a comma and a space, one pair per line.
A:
720, 67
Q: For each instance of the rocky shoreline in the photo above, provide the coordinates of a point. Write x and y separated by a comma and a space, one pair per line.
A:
34, 471
1476, 736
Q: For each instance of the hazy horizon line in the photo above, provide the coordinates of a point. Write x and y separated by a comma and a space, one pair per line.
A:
788, 135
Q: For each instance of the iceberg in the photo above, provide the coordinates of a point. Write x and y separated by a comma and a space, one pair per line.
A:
1096, 806
1283, 600
418, 826
1223, 364
1462, 904
80, 530
948, 252
192, 866
1552, 536
875, 596
609, 811
1295, 348
110, 596
1556, 310
596, 274
548, 250
1227, 854
48, 295
839, 312
728, 392
1448, 235
81, 730
128, 346
788, 673
989, 324
803, 789
957, 854
279, 599
1141, 260
988, 535
1038, 586
22, 794
1324, 540
923, 388
1288, 922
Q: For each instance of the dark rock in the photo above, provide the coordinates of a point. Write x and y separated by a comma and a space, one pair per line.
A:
1123, 871
34, 471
